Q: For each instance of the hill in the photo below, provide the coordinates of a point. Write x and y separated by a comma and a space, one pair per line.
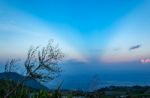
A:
17, 78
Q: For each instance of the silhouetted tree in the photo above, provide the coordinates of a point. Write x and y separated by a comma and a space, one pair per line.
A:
95, 82
10, 65
42, 64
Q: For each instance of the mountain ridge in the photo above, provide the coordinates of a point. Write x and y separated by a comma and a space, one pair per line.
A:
32, 83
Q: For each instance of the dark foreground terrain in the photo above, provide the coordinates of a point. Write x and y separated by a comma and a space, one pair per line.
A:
33, 89
108, 92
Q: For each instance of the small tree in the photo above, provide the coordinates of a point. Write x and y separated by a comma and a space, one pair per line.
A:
41, 64
10, 65
95, 82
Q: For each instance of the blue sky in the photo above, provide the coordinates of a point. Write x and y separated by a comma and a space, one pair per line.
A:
97, 36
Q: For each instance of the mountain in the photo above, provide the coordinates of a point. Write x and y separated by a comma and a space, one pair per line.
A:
17, 77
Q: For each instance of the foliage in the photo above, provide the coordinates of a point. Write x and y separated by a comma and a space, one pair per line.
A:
7, 85
41, 94
69, 96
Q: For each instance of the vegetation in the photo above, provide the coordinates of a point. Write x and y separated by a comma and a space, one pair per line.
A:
24, 91
41, 64
108, 92
7, 85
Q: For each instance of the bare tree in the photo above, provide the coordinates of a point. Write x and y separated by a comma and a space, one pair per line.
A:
42, 64
95, 82
10, 65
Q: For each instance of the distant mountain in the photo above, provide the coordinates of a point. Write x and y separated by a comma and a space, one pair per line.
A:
17, 77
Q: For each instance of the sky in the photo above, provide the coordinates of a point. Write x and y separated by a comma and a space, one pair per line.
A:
102, 38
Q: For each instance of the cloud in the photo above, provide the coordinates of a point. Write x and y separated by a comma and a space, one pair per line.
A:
135, 47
